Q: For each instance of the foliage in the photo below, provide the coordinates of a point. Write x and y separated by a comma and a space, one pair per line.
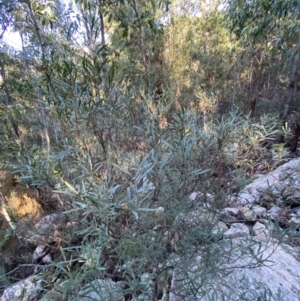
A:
275, 23
129, 120
252, 18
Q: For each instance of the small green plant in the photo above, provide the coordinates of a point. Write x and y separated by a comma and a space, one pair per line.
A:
241, 182
279, 152
5, 237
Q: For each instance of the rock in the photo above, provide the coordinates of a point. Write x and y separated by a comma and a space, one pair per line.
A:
181, 290
25, 290
276, 212
230, 214
237, 230
219, 229
260, 229
247, 213
297, 211
232, 211
280, 266
287, 174
259, 211
101, 289
199, 198
50, 200
294, 221
197, 218
266, 271
48, 229
40, 254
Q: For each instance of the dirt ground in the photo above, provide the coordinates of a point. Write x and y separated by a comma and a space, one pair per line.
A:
21, 205
19, 201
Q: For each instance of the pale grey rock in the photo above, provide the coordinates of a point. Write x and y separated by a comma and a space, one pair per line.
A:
232, 211
219, 229
268, 227
237, 230
180, 289
280, 266
247, 213
266, 271
263, 230
197, 218
287, 174
231, 199
259, 211
260, 229
294, 221
229, 214
297, 211
101, 290
25, 290
275, 212
40, 252
49, 229
200, 198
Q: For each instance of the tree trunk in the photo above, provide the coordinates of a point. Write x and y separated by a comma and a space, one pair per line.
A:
290, 93
8, 102
294, 140
103, 43
141, 46
292, 81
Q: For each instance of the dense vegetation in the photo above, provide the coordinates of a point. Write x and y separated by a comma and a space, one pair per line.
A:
132, 105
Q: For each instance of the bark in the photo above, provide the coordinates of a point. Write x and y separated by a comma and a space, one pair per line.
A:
43, 116
103, 43
294, 140
289, 97
37, 29
252, 106
102, 23
8, 102
141, 45
292, 82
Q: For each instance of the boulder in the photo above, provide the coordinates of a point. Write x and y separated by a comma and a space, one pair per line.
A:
285, 175
25, 290
237, 230
50, 228
249, 268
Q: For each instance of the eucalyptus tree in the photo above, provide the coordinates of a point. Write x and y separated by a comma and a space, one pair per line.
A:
278, 22
45, 30
138, 36
6, 7
6, 95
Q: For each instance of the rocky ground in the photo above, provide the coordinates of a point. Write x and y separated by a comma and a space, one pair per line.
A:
265, 214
